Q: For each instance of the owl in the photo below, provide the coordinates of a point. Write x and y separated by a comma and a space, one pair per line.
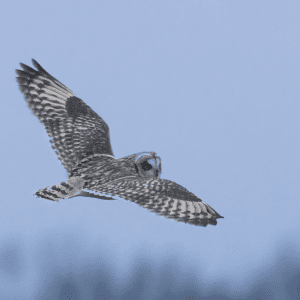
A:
80, 138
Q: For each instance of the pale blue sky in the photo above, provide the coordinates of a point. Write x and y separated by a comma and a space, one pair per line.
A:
213, 88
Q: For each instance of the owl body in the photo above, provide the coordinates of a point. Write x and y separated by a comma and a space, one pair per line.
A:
80, 138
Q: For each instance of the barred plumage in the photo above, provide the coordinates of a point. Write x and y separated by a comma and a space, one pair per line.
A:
81, 140
74, 128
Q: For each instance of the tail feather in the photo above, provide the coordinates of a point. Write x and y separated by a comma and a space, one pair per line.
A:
56, 192
62, 191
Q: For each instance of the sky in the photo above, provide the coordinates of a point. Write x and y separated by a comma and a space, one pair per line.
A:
213, 88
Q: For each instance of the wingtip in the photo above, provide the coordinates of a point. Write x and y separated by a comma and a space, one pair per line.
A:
25, 68
39, 67
19, 72
35, 63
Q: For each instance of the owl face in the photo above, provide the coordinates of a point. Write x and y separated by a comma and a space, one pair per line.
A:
147, 164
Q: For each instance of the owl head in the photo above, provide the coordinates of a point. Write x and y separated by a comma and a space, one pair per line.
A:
147, 164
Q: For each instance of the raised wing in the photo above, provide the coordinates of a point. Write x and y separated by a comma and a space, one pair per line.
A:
163, 197
76, 131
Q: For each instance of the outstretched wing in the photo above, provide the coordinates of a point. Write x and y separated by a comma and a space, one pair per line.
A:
76, 131
163, 197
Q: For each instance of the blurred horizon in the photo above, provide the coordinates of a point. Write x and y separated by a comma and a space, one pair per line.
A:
99, 277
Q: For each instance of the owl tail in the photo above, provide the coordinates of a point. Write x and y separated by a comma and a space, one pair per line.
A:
62, 191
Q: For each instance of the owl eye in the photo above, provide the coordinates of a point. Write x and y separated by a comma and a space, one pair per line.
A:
146, 166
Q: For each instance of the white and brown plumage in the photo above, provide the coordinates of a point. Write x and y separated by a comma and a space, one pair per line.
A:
81, 140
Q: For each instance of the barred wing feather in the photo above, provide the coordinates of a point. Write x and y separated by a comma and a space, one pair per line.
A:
76, 131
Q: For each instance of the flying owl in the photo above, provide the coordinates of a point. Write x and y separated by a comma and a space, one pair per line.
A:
81, 140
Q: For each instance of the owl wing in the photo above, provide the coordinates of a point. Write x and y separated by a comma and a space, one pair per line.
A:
75, 130
163, 197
